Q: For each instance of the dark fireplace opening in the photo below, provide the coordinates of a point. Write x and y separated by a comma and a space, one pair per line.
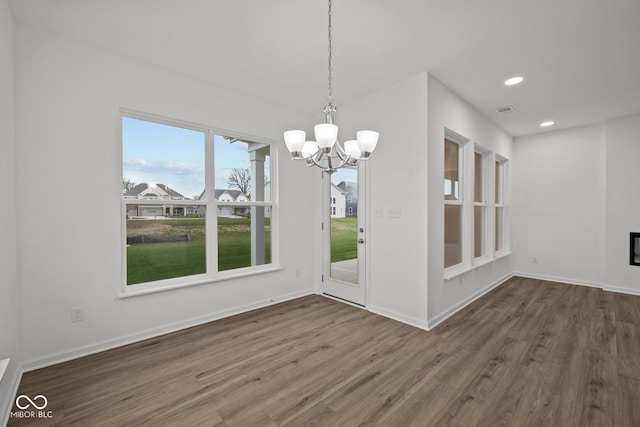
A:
634, 249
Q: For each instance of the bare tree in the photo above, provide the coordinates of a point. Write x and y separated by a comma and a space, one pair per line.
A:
127, 185
240, 179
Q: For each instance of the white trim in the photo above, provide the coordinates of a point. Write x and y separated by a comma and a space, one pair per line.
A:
456, 270
453, 310
566, 280
3, 367
342, 300
11, 395
460, 269
621, 290
152, 287
354, 292
211, 205
501, 254
409, 320
483, 260
86, 350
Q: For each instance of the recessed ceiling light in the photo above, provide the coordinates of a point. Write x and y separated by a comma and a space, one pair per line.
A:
513, 81
545, 124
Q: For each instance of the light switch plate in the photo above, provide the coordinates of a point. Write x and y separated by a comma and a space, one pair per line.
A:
394, 213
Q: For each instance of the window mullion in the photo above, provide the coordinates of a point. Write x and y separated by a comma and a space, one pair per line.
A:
212, 208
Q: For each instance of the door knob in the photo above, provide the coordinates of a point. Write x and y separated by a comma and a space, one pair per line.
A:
360, 240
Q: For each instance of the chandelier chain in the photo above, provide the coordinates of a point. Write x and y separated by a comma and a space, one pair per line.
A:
327, 153
330, 58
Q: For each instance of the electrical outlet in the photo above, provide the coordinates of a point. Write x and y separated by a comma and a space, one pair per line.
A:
378, 212
77, 314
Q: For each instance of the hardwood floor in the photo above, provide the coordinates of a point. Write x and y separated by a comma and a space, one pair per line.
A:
528, 353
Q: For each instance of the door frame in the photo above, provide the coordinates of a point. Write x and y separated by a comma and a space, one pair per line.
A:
357, 295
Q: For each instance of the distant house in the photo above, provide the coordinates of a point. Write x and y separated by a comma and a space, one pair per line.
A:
351, 191
237, 196
148, 191
231, 196
338, 202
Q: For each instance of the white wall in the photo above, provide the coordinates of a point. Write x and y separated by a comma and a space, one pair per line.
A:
559, 205
397, 247
9, 313
448, 110
69, 178
623, 202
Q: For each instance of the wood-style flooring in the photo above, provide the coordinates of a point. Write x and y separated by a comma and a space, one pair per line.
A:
528, 353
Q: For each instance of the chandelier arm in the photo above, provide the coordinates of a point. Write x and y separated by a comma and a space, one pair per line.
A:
344, 158
342, 163
340, 152
316, 161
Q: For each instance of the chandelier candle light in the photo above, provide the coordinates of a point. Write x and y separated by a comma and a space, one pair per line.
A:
326, 152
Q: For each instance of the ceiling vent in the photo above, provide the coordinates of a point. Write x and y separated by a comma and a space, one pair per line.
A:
507, 109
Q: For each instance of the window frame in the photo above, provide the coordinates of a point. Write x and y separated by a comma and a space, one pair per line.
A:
483, 204
466, 190
464, 264
501, 202
211, 206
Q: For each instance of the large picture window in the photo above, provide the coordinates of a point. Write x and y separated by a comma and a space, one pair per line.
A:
197, 204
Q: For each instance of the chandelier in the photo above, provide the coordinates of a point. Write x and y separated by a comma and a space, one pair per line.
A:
326, 152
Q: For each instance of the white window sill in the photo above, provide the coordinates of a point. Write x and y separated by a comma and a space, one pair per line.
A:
459, 270
502, 254
132, 292
478, 262
456, 271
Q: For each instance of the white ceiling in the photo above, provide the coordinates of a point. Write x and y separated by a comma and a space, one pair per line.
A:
580, 58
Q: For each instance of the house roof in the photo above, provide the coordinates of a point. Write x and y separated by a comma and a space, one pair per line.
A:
162, 190
141, 188
233, 193
347, 184
337, 188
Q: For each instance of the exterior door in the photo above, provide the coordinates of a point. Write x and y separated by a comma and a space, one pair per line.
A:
344, 230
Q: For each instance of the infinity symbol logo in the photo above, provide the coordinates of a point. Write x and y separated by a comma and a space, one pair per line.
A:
22, 398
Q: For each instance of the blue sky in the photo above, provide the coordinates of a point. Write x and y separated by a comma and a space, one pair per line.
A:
344, 174
162, 154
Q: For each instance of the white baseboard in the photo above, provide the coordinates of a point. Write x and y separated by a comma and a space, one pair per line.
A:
621, 290
435, 321
560, 279
42, 362
603, 286
11, 395
412, 321
418, 323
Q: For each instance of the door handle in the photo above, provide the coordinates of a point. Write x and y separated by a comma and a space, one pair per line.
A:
360, 241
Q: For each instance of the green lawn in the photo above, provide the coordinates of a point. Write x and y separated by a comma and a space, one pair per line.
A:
344, 236
157, 261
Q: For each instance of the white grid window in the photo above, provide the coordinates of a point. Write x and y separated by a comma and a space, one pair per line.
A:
197, 204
